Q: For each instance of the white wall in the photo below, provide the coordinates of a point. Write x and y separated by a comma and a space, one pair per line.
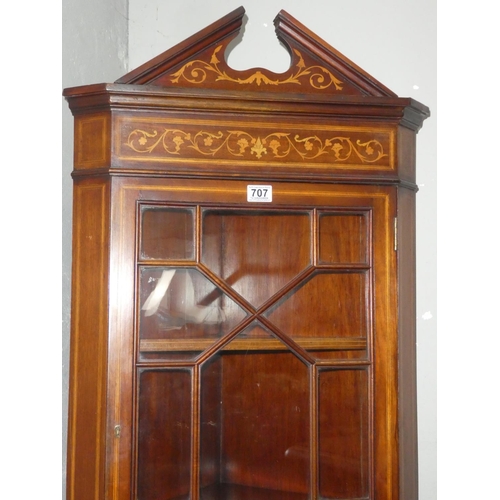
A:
395, 42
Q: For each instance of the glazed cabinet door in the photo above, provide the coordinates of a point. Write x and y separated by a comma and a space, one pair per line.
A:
262, 340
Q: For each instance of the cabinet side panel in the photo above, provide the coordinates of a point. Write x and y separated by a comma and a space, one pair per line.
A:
406, 144
92, 144
88, 355
407, 393
385, 327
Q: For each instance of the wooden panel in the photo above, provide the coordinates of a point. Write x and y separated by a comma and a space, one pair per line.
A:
265, 420
343, 238
164, 430
92, 141
182, 344
211, 422
343, 434
88, 363
326, 305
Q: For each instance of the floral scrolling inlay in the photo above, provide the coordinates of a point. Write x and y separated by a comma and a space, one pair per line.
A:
275, 145
196, 72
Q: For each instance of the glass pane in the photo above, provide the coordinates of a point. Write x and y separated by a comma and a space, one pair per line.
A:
343, 239
343, 434
324, 306
255, 252
167, 233
164, 435
255, 430
182, 312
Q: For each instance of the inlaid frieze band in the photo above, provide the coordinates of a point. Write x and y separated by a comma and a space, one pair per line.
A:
342, 147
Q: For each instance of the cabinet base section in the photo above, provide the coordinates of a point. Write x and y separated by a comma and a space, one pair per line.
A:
239, 492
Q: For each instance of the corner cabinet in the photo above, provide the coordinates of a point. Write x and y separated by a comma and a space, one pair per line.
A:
243, 301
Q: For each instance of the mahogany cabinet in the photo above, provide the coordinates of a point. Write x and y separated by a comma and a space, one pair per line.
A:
243, 301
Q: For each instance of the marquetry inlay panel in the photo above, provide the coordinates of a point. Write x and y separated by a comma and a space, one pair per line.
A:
154, 140
199, 72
